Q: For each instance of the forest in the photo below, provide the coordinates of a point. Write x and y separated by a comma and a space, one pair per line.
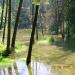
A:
37, 37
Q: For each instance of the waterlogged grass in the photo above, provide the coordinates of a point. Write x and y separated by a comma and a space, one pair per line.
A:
46, 41
44, 51
5, 62
61, 57
2, 47
20, 48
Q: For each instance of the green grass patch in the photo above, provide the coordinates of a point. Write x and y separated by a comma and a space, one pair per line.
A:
5, 62
2, 47
20, 48
47, 40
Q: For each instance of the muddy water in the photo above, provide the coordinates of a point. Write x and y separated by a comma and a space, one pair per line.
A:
20, 68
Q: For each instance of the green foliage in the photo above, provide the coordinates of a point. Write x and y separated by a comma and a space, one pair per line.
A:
20, 48
2, 47
37, 2
47, 40
51, 40
5, 62
69, 12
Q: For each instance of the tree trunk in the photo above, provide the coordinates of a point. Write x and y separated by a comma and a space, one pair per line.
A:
3, 39
56, 16
42, 29
16, 25
63, 34
36, 33
62, 22
9, 28
2, 14
28, 60
33, 12
68, 32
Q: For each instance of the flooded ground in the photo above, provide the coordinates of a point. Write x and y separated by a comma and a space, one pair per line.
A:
60, 59
20, 68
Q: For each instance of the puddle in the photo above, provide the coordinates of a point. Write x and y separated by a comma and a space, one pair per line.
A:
20, 68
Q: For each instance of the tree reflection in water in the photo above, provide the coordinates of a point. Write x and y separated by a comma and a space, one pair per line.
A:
20, 68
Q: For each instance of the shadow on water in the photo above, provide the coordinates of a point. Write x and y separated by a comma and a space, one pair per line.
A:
66, 45
20, 68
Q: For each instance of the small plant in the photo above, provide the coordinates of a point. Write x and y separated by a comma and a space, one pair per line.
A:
51, 40
2, 47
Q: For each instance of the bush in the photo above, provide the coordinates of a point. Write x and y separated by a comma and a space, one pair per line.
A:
51, 40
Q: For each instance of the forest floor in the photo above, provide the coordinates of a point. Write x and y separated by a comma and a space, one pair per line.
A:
57, 54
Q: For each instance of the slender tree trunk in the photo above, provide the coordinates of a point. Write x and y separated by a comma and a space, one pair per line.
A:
2, 14
63, 34
62, 22
36, 33
68, 32
16, 25
3, 39
33, 12
9, 29
42, 29
57, 25
68, 25
28, 60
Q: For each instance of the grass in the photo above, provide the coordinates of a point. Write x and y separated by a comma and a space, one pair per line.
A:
46, 41
6, 62
2, 47
20, 48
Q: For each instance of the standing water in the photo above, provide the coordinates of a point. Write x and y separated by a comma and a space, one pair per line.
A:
20, 68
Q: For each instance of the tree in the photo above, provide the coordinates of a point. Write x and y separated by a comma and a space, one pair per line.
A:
69, 16
37, 37
3, 38
16, 25
32, 36
9, 29
33, 12
2, 14
37, 3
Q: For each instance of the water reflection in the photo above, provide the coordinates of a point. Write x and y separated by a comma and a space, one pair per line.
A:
40, 69
29, 69
20, 68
